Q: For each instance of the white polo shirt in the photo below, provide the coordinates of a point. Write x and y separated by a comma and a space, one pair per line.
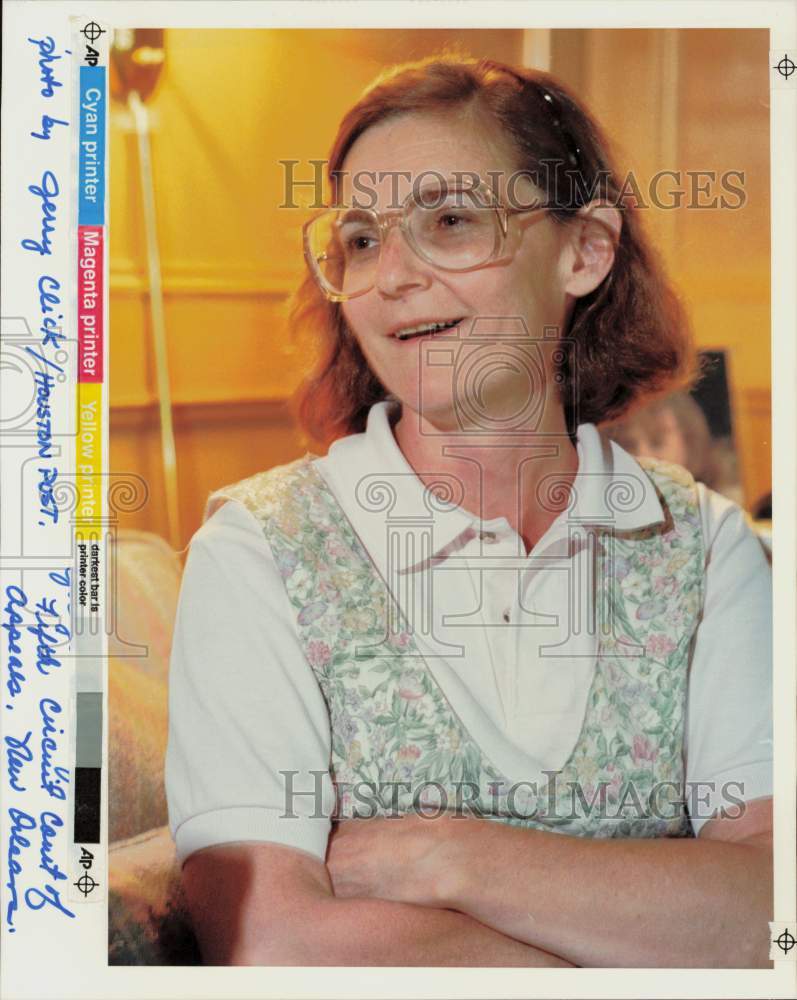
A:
505, 633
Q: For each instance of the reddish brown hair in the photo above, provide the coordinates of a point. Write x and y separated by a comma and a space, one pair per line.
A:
627, 341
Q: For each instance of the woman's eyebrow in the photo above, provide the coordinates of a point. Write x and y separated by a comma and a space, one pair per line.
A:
352, 215
459, 180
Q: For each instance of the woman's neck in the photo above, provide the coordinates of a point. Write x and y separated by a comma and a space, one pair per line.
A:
524, 477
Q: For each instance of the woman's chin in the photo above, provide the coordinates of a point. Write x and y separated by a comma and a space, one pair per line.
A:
429, 416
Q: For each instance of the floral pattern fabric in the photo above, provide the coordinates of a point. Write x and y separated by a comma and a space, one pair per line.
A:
398, 745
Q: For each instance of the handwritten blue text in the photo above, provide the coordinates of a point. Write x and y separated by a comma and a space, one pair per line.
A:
47, 191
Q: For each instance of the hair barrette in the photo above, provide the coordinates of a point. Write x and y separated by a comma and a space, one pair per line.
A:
554, 107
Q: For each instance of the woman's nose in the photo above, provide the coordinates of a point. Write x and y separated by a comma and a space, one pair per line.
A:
399, 269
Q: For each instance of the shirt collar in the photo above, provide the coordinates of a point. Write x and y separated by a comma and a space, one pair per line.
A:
610, 487
377, 487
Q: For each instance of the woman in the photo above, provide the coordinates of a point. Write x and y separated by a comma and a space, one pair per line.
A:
503, 650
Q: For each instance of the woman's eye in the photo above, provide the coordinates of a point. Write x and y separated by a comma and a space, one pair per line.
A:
451, 220
360, 242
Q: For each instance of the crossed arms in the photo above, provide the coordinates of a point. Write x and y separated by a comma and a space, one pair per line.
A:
415, 892
264, 904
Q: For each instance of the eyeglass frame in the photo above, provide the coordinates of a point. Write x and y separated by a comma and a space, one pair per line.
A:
399, 216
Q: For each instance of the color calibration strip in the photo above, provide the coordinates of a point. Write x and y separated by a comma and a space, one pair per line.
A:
89, 598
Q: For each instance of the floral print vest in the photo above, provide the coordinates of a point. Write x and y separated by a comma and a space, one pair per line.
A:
397, 744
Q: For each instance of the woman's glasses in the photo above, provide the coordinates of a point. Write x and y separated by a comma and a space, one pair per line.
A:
451, 228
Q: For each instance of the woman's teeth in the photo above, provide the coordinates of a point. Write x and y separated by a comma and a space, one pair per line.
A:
414, 331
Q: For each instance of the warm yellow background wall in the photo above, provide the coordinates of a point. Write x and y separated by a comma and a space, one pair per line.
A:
232, 104
696, 100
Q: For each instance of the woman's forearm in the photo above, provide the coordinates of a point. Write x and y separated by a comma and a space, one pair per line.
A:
369, 932
267, 904
645, 903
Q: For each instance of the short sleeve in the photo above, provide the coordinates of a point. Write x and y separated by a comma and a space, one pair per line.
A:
728, 737
244, 704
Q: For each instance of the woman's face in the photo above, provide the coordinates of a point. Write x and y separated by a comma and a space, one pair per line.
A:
408, 292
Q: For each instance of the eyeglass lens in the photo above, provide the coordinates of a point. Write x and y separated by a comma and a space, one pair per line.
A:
454, 230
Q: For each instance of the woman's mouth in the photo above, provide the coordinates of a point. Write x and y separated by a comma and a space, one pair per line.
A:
425, 329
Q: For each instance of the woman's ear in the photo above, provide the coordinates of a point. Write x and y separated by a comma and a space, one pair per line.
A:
594, 236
